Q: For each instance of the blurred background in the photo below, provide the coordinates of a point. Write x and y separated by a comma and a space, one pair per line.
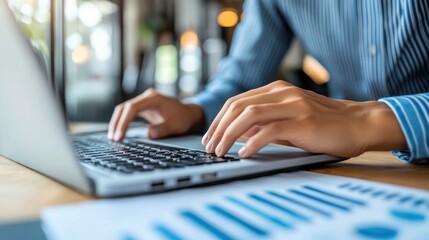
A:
99, 53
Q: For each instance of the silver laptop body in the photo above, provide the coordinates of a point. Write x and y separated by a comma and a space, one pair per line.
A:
33, 133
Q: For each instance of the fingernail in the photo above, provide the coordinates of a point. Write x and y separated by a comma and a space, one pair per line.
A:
110, 135
219, 150
153, 133
204, 140
117, 136
242, 152
209, 146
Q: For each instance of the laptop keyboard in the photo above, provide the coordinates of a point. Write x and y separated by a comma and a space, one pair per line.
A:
131, 155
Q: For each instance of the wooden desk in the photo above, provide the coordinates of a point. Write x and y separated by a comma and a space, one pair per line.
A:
23, 192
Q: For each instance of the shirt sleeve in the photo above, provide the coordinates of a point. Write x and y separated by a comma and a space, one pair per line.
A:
412, 112
258, 47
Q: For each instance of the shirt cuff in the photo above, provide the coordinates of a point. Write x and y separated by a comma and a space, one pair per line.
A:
412, 113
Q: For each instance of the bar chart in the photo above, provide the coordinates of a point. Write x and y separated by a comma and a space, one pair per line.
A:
313, 208
294, 208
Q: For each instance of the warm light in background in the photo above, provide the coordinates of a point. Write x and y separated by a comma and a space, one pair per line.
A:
80, 55
189, 38
227, 18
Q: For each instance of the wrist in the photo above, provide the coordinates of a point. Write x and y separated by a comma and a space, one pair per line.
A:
382, 129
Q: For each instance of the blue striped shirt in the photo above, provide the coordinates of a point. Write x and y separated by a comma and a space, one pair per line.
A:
373, 50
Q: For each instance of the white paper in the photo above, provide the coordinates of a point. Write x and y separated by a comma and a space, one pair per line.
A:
298, 205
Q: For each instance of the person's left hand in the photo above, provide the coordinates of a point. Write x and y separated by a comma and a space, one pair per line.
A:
283, 113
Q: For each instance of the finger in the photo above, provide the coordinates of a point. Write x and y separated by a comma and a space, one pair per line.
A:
284, 130
130, 110
280, 84
207, 137
252, 131
114, 121
159, 131
258, 141
235, 109
117, 113
128, 114
288, 102
251, 116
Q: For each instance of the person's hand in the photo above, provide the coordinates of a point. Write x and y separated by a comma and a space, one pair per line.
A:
166, 116
283, 113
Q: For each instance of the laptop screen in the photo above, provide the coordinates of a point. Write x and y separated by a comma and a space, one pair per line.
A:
34, 17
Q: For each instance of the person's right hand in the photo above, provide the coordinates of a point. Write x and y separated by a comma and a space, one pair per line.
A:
166, 116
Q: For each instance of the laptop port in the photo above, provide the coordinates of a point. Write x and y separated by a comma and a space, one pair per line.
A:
183, 181
208, 176
157, 185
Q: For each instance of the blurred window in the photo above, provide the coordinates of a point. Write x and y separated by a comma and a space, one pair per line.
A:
92, 58
34, 17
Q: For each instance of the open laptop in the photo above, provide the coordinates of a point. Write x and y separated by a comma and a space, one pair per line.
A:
33, 133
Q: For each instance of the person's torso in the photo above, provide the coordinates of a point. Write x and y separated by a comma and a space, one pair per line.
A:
371, 49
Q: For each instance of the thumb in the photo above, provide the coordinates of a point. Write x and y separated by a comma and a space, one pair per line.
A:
159, 131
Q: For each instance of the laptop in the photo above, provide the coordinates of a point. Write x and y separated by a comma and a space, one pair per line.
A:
34, 134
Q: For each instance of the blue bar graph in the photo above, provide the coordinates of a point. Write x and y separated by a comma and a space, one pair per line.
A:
167, 232
288, 206
387, 195
298, 203
305, 205
254, 229
279, 207
260, 213
200, 222
320, 200
358, 202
